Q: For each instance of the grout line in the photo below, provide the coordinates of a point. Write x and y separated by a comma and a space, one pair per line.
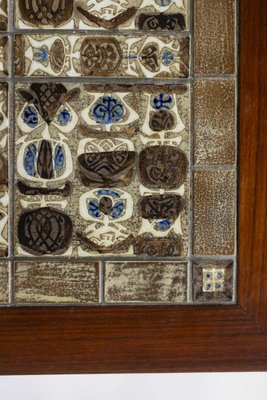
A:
101, 282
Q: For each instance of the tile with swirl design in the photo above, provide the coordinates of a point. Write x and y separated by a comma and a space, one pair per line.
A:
102, 56
101, 169
154, 15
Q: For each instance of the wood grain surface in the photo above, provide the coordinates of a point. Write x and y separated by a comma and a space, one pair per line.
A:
171, 339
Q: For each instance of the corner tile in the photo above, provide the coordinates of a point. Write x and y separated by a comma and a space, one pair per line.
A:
213, 281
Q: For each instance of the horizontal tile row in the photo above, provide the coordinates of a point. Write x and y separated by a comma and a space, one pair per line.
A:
102, 56
122, 282
157, 15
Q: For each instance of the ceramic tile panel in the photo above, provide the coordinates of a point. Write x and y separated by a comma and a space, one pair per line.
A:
213, 281
215, 122
214, 212
56, 282
214, 34
4, 282
145, 282
3, 15
105, 167
102, 56
4, 193
154, 15
118, 175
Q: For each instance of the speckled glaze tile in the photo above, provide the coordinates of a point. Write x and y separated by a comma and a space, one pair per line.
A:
4, 197
4, 282
104, 167
215, 122
155, 15
3, 15
102, 56
214, 35
145, 282
213, 281
214, 212
56, 282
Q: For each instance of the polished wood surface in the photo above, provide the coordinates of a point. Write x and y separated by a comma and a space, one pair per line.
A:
171, 339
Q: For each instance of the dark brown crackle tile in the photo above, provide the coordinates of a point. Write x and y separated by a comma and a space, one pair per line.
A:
215, 122
145, 282
214, 35
56, 282
214, 212
213, 281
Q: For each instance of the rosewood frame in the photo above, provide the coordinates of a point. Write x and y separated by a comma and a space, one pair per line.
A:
171, 339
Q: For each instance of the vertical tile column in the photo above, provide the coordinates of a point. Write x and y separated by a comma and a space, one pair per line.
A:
215, 151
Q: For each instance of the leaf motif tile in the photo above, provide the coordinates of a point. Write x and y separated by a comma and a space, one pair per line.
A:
154, 15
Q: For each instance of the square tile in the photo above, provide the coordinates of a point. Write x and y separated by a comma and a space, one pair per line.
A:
104, 167
4, 282
56, 282
151, 15
102, 56
145, 282
213, 281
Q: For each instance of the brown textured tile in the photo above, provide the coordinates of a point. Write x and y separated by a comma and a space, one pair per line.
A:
214, 212
56, 282
145, 282
214, 36
4, 290
215, 122
4, 55
213, 281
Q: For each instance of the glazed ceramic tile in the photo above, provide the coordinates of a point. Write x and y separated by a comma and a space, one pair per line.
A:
145, 282
214, 212
4, 56
3, 15
102, 169
213, 281
215, 122
56, 282
102, 56
122, 152
4, 282
155, 15
215, 27
4, 198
